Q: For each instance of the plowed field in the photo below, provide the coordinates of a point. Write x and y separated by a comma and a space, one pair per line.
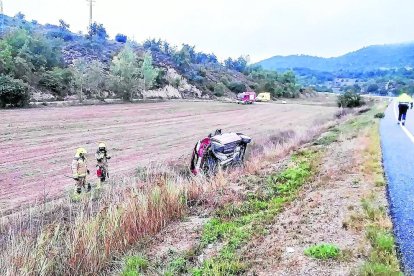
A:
37, 145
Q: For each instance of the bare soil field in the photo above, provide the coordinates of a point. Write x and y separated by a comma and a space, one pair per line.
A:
37, 145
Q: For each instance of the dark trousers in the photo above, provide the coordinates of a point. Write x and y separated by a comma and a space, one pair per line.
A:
402, 111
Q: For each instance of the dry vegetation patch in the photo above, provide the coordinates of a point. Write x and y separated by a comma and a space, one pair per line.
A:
37, 145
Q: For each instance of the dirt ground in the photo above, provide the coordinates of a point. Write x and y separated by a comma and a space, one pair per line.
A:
37, 145
318, 217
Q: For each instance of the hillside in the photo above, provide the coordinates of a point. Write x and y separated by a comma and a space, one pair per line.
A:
48, 62
366, 59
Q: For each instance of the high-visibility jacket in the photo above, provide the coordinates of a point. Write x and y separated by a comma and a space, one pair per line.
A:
102, 156
404, 98
79, 167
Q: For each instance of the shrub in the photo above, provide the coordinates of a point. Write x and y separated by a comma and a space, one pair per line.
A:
176, 82
237, 87
56, 80
210, 86
125, 72
219, 89
153, 44
379, 115
202, 72
97, 30
373, 88
239, 64
62, 34
350, 99
121, 38
198, 79
13, 92
63, 25
323, 251
225, 80
161, 80
134, 264
20, 16
149, 72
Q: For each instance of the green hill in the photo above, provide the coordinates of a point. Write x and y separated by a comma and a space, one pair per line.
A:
46, 63
366, 59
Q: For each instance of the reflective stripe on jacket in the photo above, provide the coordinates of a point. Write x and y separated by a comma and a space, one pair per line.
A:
79, 167
102, 156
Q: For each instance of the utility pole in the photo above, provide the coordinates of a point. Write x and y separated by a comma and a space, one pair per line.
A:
90, 11
2, 16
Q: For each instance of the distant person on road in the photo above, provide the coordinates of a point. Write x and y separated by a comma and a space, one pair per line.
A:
102, 156
404, 102
80, 170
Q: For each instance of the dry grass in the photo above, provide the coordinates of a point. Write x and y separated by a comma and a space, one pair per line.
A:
83, 241
83, 238
38, 144
86, 236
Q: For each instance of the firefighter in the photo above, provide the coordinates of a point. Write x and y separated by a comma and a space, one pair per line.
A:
404, 103
102, 157
80, 170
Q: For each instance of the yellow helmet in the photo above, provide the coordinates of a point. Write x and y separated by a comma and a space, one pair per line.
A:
80, 151
101, 145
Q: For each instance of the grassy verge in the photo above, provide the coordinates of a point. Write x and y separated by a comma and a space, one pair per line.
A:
372, 218
233, 225
382, 258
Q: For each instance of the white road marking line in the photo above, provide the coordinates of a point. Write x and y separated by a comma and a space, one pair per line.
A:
407, 132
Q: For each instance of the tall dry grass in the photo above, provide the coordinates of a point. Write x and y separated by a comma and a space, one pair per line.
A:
85, 237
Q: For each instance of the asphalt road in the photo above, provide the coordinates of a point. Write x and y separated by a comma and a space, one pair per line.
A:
398, 157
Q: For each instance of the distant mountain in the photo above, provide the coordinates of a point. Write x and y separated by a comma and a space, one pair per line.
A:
366, 59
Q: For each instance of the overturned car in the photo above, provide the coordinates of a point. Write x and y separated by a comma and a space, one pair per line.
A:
217, 150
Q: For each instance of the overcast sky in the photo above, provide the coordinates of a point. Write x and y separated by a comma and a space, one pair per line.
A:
260, 28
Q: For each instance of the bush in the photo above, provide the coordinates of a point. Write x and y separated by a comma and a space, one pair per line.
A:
160, 80
237, 87
210, 86
13, 92
56, 80
125, 73
373, 88
62, 34
153, 45
134, 264
97, 30
239, 64
219, 89
202, 72
176, 82
350, 99
379, 115
121, 38
198, 79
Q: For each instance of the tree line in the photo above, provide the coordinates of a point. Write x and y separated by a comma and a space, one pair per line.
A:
31, 57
